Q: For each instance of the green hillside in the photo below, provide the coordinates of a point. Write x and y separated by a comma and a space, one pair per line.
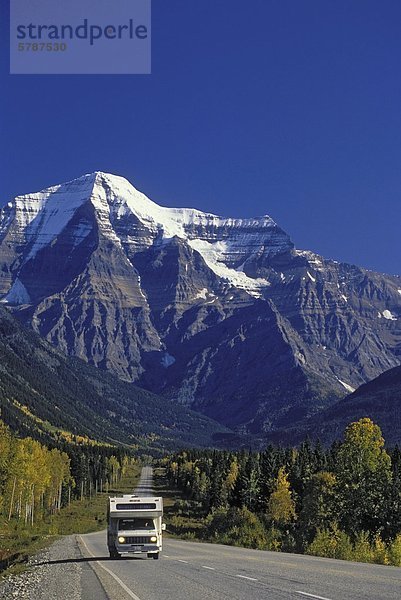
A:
50, 397
379, 399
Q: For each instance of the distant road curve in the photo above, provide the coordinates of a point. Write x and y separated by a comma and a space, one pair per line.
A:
197, 571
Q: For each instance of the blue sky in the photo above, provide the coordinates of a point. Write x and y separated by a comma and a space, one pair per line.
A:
290, 108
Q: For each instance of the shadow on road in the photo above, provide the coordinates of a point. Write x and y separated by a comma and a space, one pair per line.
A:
66, 561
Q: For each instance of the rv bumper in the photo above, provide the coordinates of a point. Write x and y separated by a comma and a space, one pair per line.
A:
135, 549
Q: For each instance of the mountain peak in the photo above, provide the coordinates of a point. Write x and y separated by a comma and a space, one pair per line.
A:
111, 178
129, 218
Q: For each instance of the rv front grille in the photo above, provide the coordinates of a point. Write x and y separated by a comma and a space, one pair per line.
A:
132, 506
137, 539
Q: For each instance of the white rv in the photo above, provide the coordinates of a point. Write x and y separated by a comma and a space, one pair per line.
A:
135, 526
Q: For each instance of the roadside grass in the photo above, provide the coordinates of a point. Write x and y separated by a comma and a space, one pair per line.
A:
18, 543
184, 519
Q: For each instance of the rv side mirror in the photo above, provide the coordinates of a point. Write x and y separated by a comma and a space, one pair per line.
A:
163, 527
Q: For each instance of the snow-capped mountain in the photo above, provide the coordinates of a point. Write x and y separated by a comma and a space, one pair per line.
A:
135, 223
221, 314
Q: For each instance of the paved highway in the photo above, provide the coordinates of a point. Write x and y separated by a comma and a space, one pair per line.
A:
145, 484
196, 571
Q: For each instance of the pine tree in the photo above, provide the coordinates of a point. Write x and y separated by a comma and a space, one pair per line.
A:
318, 506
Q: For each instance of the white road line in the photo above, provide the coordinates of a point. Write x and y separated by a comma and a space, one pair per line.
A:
184, 561
129, 592
210, 568
245, 577
166, 555
312, 596
125, 588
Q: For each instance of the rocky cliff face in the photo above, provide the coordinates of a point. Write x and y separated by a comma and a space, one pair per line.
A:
223, 315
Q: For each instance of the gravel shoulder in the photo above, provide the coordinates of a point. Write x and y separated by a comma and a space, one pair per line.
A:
57, 573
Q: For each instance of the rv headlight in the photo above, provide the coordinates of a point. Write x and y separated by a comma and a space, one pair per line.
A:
153, 538
121, 539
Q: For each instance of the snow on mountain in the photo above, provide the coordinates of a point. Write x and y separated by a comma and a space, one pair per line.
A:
220, 241
124, 197
224, 243
387, 314
18, 294
213, 255
43, 215
348, 387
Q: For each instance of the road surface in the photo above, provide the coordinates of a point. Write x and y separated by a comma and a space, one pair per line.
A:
145, 483
197, 571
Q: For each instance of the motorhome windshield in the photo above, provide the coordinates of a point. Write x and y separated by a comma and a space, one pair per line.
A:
135, 524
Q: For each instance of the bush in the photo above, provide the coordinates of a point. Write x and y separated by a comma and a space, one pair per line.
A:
189, 535
273, 540
324, 544
237, 527
395, 551
331, 543
362, 549
380, 552
344, 549
334, 543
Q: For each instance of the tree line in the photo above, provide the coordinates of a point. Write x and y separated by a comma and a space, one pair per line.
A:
341, 502
37, 481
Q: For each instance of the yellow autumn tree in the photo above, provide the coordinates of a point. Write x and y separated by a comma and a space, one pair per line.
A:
363, 470
232, 475
281, 506
227, 483
29, 479
60, 474
7, 447
113, 470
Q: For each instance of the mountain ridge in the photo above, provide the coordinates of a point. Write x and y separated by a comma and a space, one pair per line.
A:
222, 315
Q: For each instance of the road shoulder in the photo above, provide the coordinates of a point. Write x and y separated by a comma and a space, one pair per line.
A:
58, 572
